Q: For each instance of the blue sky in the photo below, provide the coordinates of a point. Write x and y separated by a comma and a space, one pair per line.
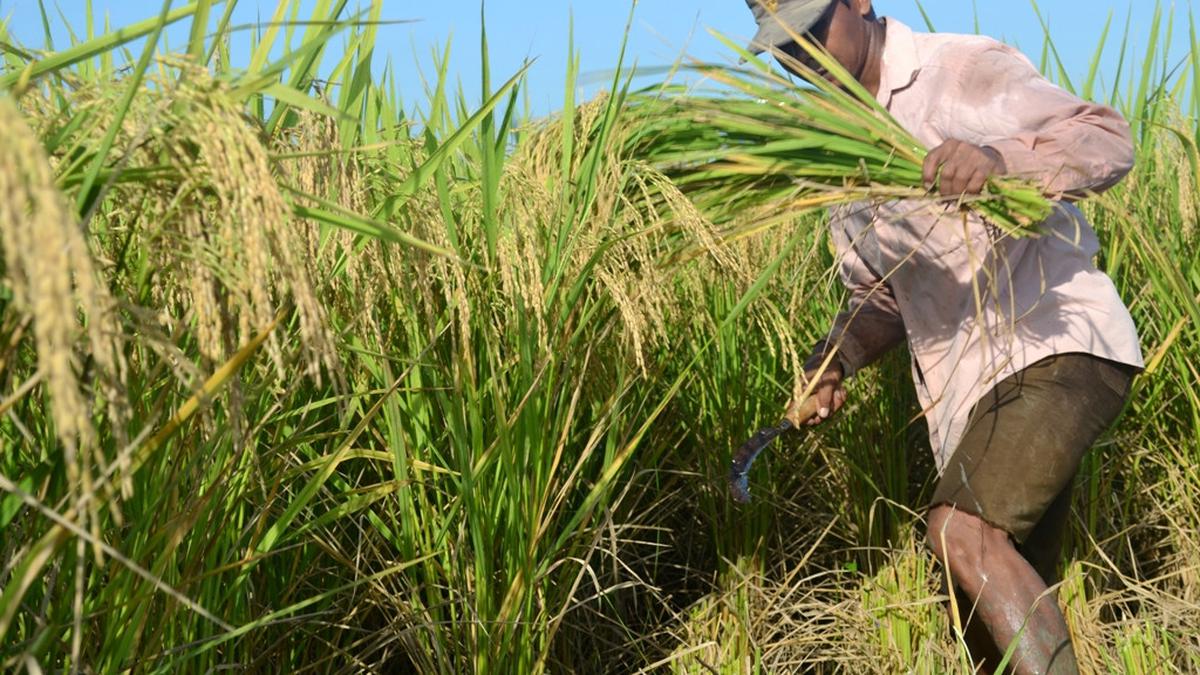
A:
661, 31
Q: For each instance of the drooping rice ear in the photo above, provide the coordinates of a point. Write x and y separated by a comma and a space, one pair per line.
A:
53, 278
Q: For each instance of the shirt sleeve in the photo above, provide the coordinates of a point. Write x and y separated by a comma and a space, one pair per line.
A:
871, 324
1044, 133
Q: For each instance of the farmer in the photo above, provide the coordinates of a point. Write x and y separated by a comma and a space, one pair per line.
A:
1022, 351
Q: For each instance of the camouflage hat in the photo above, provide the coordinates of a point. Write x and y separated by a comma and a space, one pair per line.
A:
797, 15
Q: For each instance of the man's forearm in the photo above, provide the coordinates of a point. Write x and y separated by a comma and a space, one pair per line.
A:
1043, 133
861, 336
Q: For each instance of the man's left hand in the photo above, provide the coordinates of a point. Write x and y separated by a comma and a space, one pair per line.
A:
965, 168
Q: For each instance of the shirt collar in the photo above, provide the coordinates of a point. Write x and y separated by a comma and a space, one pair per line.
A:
900, 61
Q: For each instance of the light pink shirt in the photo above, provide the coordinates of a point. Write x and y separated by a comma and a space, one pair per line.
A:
975, 306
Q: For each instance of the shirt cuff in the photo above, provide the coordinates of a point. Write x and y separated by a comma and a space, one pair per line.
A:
849, 354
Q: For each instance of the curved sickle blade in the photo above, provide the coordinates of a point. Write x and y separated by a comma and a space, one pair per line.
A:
743, 459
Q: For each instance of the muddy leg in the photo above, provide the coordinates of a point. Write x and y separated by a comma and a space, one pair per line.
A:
1009, 596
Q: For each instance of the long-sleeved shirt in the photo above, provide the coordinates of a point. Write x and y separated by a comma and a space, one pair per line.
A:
974, 305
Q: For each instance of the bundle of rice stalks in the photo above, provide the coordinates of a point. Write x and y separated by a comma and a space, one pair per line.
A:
759, 149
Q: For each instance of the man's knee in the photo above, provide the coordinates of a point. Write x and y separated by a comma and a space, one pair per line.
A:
937, 534
960, 536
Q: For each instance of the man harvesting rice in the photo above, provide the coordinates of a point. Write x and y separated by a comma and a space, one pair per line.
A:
1022, 351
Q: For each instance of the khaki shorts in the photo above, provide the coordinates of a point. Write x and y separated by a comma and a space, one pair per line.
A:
1024, 443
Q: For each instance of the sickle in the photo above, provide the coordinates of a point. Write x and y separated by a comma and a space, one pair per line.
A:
739, 471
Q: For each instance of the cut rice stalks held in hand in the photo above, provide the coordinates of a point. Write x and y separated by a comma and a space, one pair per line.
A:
757, 149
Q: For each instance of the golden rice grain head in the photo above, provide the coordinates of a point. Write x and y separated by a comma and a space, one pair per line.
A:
529, 209
1189, 194
53, 278
249, 240
312, 170
542, 148
619, 242
317, 164
680, 212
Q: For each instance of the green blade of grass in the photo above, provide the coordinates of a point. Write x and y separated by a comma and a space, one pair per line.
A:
266, 42
199, 29
86, 199
340, 218
1063, 77
325, 23
1089, 83
86, 50
41, 553
421, 174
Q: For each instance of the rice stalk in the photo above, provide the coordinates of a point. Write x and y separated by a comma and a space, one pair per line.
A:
597, 326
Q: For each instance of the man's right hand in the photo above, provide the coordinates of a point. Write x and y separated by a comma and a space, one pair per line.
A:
827, 397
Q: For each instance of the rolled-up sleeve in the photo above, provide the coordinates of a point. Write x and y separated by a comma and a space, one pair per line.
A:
1044, 133
871, 324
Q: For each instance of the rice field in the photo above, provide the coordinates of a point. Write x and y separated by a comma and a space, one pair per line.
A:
293, 378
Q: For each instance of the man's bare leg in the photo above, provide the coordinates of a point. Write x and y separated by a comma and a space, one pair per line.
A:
1002, 588
984, 655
